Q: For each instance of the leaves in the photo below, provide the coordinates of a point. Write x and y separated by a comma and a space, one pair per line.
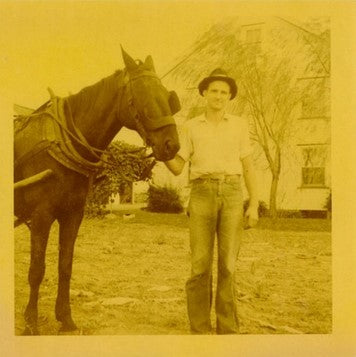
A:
164, 199
129, 163
271, 91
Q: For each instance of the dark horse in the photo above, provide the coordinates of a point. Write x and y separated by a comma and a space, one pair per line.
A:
134, 98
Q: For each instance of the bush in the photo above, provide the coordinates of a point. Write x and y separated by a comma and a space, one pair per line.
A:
164, 199
128, 164
141, 197
315, 214
262, 208
288, 213
99, 197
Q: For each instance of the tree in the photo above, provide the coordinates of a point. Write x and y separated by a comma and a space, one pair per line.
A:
269, 97
315, 33
270, 93
125, 165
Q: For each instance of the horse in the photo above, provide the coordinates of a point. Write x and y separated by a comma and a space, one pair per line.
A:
55, 171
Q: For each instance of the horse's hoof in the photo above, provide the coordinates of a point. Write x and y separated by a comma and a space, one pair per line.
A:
30, 331
70, 333
68, 326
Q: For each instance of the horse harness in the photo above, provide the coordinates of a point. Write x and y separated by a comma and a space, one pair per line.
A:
137, 116
58, 138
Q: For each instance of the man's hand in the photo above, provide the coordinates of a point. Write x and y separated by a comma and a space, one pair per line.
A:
251, 217
175, 165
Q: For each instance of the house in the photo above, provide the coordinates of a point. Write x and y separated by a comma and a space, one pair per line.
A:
285, 63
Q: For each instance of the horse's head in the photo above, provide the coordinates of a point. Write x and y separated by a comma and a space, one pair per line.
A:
150, 108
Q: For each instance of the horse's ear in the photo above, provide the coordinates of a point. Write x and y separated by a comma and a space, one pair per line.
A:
149, 63
129, 62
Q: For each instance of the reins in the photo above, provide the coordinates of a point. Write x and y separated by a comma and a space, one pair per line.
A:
134, 112
77, 136
80, 139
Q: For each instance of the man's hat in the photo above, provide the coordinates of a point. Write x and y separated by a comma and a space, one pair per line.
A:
218, 74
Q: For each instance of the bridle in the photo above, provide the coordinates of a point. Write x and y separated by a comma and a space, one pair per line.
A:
133, 111
135, 114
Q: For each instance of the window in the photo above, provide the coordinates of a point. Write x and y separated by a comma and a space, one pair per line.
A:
316, 97
310, 107
314, 176
253, 37
313, 169
313, 105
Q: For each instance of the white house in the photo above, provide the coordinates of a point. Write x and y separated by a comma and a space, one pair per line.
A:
305, 177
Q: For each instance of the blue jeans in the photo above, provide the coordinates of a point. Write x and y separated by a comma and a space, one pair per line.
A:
216, 206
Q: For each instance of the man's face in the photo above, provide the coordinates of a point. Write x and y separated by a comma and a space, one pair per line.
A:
217, 95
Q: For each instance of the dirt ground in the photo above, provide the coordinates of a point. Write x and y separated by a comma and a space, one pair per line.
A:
129, 275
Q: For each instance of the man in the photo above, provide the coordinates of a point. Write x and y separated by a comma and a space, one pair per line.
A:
218, 150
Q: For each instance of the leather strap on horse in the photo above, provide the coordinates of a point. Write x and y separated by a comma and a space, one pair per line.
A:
60, 118
64, 151
144, 74
40, 146
62, 148
58, 140
152, 125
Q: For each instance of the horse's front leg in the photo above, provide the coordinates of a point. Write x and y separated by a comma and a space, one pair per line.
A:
68, 229
41, 222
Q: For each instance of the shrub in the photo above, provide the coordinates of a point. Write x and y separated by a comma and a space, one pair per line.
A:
128, 164
164, 199
288, 213
313, 214
141, 197
98, 197
262, 208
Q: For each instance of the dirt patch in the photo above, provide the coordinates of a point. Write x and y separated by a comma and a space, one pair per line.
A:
129, 277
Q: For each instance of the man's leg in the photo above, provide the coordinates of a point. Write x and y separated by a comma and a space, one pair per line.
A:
202, 225
230, 226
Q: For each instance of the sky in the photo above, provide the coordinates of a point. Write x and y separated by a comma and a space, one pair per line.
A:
69, 45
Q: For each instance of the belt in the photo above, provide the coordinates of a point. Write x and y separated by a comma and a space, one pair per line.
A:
218, 178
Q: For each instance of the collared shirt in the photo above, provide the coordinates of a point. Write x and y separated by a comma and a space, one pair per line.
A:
214, 148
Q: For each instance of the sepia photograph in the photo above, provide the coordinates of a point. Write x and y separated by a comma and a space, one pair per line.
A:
173, 170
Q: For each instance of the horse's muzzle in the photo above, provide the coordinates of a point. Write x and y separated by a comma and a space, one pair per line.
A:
167, 151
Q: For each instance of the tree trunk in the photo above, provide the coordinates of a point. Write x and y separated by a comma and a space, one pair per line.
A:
274, 185
273, 197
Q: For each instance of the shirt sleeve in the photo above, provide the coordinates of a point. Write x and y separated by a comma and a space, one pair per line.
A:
186, 146
245, 142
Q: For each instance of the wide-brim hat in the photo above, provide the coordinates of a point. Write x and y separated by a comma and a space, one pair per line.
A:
218, 74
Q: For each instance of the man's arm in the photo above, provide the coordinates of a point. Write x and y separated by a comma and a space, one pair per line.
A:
251, 185
175, 165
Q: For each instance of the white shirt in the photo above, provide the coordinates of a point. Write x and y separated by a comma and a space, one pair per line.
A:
214, 148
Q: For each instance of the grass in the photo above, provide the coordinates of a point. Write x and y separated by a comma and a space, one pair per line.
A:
283, 279
278, 224
295, 224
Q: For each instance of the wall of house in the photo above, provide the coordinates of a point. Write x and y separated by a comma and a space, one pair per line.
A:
310, 130
305, 178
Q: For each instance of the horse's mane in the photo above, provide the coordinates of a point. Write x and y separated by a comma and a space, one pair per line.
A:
94, 95
92, 98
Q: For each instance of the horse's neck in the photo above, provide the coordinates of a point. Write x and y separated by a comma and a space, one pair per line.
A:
94, 111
